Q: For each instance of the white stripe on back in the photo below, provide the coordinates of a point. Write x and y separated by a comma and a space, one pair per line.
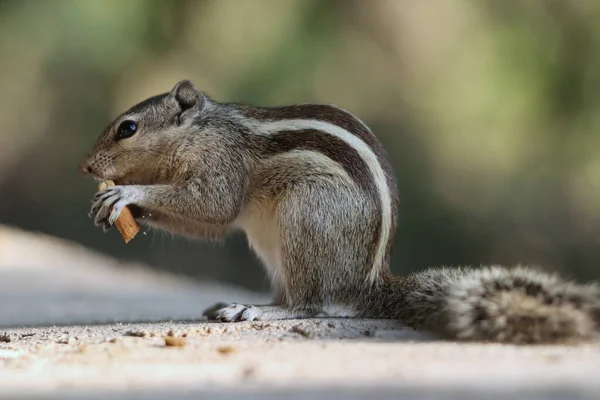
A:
368, 156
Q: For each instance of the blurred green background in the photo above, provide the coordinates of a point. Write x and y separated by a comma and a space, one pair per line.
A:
490, 111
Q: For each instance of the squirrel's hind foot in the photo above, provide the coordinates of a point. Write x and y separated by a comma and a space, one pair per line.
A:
247, 312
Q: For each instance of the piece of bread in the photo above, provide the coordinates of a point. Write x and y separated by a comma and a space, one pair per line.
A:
126, 224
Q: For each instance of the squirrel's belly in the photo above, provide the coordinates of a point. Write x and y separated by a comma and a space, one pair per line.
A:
262, 229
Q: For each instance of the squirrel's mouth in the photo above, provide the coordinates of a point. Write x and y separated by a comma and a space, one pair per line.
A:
118, 181
124, 182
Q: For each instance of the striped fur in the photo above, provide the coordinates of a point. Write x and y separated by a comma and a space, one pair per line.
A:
353, 135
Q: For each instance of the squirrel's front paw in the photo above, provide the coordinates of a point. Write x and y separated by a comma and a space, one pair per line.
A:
108, 204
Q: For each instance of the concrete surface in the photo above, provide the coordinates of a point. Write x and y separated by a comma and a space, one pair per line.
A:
69, 328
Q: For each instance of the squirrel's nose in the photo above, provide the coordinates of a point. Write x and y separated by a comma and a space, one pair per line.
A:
84, 168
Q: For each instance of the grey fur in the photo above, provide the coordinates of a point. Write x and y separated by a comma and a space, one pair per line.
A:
518, 305
201, 169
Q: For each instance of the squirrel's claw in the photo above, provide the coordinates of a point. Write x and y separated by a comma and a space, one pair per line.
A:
108, 204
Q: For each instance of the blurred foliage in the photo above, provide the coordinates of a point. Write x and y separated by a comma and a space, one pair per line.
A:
489, 110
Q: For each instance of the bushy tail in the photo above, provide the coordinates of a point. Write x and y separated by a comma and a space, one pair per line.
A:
491, 304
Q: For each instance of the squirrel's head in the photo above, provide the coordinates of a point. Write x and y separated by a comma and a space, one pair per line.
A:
130, 148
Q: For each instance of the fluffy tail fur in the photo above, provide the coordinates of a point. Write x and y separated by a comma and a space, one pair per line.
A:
518, 306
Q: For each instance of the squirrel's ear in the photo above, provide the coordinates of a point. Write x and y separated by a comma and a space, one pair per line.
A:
187, 96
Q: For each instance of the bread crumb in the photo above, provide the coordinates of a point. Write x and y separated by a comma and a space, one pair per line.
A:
226, 349
172, 341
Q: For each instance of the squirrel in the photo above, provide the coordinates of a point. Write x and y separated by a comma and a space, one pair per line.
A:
313, 190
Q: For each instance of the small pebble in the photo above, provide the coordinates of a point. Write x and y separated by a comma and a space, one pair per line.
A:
301, 331
70, 340
138, 333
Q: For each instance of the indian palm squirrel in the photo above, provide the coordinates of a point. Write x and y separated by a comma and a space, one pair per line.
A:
312, 188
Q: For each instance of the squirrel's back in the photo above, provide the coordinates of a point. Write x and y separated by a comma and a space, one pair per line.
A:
519, 305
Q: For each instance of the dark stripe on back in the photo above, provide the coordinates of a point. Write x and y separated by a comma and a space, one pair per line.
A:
343, 119
334, 148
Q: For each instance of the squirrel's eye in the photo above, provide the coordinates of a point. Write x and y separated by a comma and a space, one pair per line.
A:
126, 129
